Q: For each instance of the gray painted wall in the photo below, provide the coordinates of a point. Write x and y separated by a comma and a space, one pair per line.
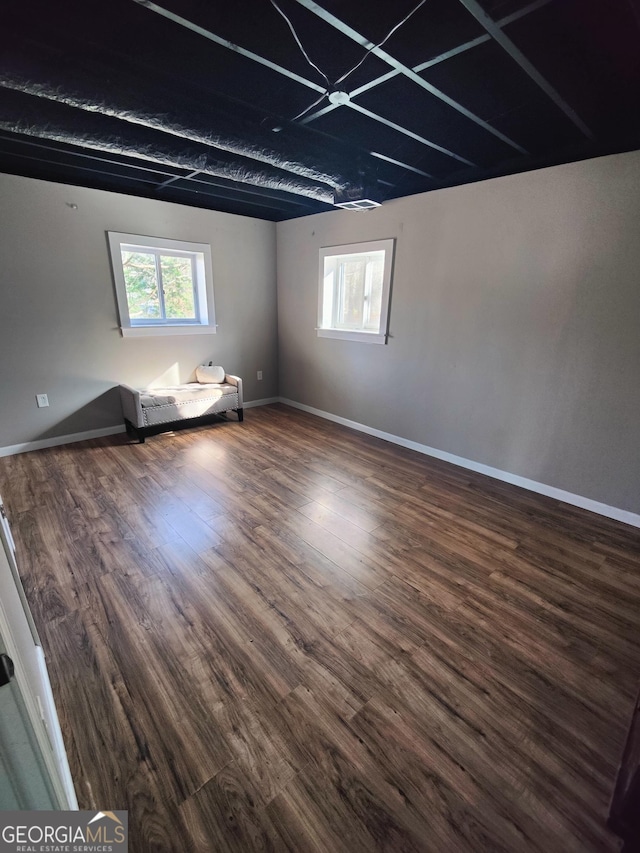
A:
515, 323
58, 320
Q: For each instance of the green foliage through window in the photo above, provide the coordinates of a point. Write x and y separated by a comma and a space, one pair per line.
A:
160, 286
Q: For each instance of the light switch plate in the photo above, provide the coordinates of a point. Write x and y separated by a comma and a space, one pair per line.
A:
42, 400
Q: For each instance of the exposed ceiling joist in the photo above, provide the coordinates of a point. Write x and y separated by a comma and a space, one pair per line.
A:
140, 107
37, 115
436, 60
405, 71
211, 105
255, 204
521, 13
409, 133
154, 7
107, 163
516, 54
172, 180
413, 169
248, 54
312, 116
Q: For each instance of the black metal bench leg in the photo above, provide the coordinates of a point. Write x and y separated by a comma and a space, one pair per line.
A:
133, 431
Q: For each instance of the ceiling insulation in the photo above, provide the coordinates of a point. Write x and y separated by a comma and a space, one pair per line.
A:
280, 112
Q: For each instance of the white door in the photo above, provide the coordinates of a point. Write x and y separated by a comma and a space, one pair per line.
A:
34, 771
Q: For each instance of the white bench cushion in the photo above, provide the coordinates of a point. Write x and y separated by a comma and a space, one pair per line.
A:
188, 393
145, 407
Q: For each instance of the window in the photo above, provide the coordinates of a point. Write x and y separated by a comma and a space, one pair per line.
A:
163, 287
354, 290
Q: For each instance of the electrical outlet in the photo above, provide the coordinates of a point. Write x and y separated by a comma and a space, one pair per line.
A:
42, 400
259, 374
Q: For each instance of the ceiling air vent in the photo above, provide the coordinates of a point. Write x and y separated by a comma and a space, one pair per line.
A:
356, 198
361, 204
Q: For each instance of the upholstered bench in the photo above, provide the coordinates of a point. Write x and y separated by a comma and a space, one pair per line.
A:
148, 411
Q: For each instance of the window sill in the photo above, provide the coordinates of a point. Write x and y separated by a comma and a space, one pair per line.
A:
150, 331
361, 337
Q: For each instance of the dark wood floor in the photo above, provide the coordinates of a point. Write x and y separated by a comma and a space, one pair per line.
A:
283, 635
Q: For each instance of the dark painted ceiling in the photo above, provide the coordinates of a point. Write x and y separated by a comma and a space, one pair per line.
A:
231, 106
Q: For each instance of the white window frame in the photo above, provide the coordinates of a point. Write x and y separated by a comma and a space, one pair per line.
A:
202, 270
370, 337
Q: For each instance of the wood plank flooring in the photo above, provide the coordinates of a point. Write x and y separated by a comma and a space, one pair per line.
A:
283, 635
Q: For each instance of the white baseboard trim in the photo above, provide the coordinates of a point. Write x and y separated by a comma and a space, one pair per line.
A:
599, 508
617, 514
265, 402
26, 446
